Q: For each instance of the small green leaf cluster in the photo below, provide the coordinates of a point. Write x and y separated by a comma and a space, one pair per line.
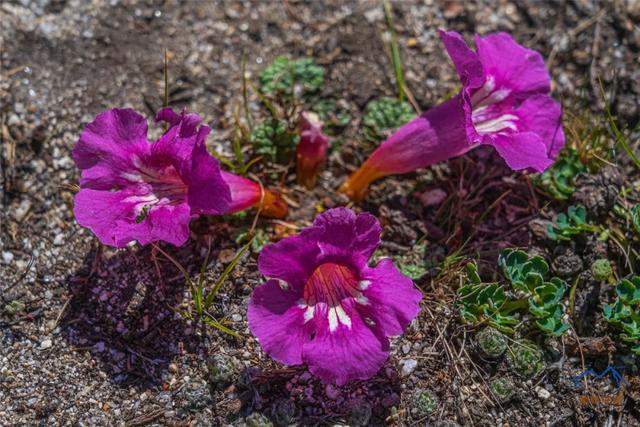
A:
492, 304
635, 217
384, 114
484, 303
625, 312
601, 269
288, 77
273, 139
424, 402
559, 179
502, 388
544, 297
493, 343
525, 358
571, 224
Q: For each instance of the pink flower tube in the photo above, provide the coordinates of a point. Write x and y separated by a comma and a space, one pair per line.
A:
324, 306
311, 151
246, 194
504, 102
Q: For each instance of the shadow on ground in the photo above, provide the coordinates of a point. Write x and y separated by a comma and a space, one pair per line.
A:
122, 313
293, 395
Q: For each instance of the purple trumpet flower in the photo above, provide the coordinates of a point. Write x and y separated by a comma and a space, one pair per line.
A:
131, 189
504, 102
324, 306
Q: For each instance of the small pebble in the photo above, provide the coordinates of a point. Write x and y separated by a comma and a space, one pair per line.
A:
46, 344
7, 257
236, 318
58, 240
408, 366
543, 393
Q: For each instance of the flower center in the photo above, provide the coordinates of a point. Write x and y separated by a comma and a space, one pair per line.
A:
156, 187
330, 285
488, 114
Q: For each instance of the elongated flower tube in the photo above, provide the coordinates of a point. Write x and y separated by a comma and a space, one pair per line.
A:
324, 306
132, 189
504, 102
246, 194
311, 151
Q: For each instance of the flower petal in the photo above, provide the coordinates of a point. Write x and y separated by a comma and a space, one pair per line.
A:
208, 193
543, 115
277, 322
109, 146
112, 216
393, 301
341, 233
347, 353
466, 61
513, 66
292, 259
522, 150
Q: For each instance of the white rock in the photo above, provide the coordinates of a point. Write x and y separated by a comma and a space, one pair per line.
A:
59, 239
7, 257
236, 318
408, 366
46, 344
543, 393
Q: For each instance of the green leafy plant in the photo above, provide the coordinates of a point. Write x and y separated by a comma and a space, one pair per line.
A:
624, 313
385, 114
492, 342
291, 77
484, 302
274, 139
530, 290
544, 298
525, 358
559, 179
571, 224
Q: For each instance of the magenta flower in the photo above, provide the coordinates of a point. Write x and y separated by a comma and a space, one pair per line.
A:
311, 151
324, 306
504, 102
131, 189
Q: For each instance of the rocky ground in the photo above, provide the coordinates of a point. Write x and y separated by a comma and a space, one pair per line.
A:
94, 336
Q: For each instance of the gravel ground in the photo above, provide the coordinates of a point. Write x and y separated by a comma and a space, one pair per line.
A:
95, 341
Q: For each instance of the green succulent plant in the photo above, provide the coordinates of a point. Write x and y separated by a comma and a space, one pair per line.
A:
559, 179
492, 342
424, 402
624, 313
525, 358
544, 298
273, 139
221, 370
601, 269
480, 302
571, 224
288, 77
494, 304
384, 114
14, 307
502, 388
